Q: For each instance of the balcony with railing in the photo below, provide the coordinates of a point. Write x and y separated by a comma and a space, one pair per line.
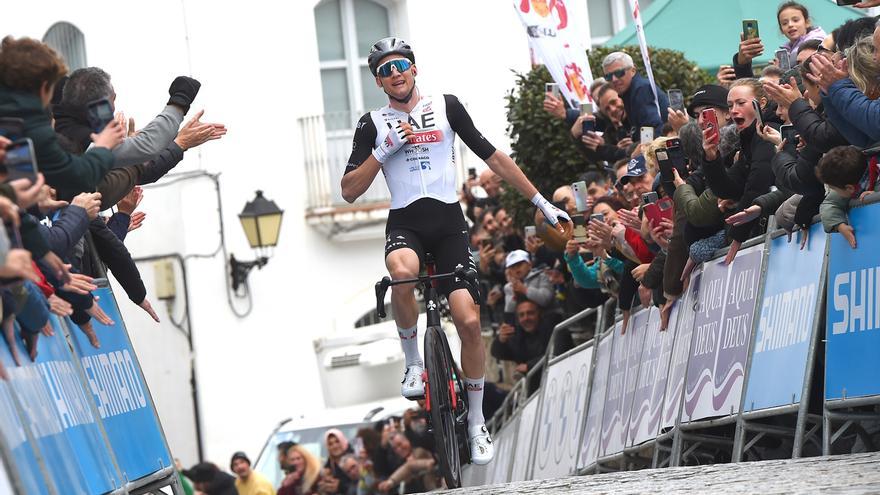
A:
327, 142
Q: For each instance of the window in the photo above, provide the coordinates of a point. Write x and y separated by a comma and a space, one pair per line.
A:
69, 42
345, 30
608, 17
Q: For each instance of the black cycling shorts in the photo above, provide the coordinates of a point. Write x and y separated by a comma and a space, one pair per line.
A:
431, 226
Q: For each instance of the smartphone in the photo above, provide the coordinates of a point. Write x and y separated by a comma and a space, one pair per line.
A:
100, 113
794, 72
485, 243
552, 88
676, 157
580, 196
758, 117
586, 108
783, 58
710, 121
847, 2
510, 318
580, 228
664, 164
11, 128
472, 173
647, 135
599, 217
21, 161
588, 126
676, 99
789, 133
649, 197
659, 210
530, 231
750, 29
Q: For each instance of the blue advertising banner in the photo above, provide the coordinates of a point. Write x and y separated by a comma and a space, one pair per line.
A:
41, 413
123, 401
852, 359
22, 455
787, 315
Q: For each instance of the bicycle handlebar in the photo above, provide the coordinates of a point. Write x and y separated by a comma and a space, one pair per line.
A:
469, 276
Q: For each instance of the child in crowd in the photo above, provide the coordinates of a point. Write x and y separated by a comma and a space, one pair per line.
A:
794, 22
849, 175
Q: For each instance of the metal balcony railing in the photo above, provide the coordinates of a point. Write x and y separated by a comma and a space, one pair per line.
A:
327, 143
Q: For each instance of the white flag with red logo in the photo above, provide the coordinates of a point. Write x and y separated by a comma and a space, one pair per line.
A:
558, 46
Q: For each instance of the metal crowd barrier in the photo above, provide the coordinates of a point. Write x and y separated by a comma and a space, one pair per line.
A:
735, 367
80, 419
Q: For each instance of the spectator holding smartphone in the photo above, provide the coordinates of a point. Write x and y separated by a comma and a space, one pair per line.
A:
28, 73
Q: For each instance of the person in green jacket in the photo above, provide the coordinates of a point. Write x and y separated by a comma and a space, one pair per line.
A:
29, 70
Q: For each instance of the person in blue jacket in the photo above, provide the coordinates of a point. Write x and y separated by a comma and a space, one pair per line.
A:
637, 94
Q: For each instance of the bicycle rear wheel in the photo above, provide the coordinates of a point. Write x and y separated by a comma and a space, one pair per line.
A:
443, 403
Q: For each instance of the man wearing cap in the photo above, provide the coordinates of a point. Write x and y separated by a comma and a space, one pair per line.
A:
525, 283
637, 180
249, 482
525, 342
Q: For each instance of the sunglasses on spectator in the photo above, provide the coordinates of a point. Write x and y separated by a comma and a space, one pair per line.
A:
619, 73
401, 64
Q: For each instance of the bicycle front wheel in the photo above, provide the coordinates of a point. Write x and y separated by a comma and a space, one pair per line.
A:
443, 404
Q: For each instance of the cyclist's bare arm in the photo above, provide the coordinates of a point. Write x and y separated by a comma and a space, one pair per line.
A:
363, 164
357, 181
503, 165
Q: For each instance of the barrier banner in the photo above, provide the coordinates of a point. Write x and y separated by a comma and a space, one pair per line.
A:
786, 321
22, 454
55, 419
639, 430
622, 376
722, 330
524, 440
499, 468
120, 392
559, 47
562, 414
592, 427
852, 359
680, 350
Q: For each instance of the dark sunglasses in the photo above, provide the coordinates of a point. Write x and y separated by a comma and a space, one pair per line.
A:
401, 64
619, 73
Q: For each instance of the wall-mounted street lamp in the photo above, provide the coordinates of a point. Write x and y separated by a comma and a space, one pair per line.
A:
261, 221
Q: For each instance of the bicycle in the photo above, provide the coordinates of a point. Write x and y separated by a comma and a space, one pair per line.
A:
445, 399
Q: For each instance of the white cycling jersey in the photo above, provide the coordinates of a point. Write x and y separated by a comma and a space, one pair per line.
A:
425, 166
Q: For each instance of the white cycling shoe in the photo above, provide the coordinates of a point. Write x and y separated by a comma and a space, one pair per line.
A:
482, 448
413, 385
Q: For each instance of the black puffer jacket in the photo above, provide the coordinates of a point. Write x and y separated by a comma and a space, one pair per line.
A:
813, 127
750, 176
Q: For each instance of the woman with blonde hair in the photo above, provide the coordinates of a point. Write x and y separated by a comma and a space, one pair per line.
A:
303, 477
863, 67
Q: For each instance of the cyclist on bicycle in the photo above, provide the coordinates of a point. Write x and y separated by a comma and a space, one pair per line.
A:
411, 140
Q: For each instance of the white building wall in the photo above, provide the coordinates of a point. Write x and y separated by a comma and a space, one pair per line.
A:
258, 65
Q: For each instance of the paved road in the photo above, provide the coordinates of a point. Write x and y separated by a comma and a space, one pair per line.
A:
856, 473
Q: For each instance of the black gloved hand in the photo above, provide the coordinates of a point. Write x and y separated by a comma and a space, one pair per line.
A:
806, 210
183, 91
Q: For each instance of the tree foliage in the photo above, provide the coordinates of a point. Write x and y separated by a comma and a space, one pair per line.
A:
542, 145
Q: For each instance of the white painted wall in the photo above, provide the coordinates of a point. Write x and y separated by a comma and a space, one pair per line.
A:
258, 65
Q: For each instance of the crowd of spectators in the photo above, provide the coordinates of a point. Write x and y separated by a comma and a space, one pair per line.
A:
70, 187
788, 142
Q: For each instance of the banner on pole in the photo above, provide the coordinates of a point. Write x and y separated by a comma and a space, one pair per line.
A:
787, 317
636, 12
722, 330
559, 47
